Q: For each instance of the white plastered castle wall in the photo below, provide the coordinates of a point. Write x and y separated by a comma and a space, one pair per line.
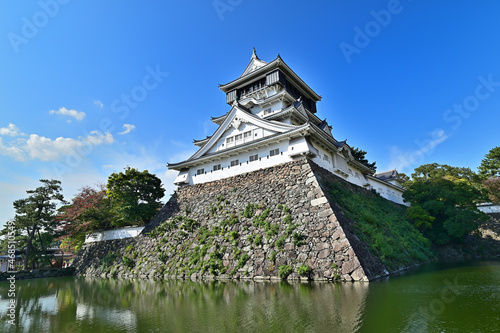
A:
264, 160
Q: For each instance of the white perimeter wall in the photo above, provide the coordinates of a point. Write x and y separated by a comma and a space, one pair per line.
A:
488, 209
113, 234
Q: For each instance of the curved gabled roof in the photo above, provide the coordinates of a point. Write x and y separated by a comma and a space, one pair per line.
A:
240, 114
254, 64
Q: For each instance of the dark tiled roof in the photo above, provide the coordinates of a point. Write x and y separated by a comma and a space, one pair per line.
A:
387, 175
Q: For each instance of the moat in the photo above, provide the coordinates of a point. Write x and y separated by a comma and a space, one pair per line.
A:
439, 297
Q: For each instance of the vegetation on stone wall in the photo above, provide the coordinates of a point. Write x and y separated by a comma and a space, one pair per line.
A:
206, 252
383, 225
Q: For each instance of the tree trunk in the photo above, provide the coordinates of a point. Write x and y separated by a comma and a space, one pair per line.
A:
27, 251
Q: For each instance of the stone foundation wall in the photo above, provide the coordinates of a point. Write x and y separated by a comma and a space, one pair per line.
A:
251, 226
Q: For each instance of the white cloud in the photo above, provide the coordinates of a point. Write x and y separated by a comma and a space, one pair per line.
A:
10, 130
70, 113
403, 161
127, 129
46, 149
14, 152
99, 103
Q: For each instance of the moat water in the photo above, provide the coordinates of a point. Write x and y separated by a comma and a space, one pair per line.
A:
459, 297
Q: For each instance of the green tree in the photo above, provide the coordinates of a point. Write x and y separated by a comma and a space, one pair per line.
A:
440, 171
35, 215
136, 195
359, 155
490, 164
444, 210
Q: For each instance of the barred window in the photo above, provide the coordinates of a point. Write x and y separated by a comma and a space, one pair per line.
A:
274, 152
254, 157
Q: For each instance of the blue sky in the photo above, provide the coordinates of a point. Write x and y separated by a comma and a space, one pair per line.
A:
89, 87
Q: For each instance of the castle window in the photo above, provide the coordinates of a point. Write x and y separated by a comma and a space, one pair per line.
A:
254, 157
200, 171
230, 140
326, 158
239, 137
274, 152
217, 167
235, 163
267, 111
247, 134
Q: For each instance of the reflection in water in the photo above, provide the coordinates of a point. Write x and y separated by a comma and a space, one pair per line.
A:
449, 299
99, 305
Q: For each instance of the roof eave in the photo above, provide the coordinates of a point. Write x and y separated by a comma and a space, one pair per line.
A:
227, 152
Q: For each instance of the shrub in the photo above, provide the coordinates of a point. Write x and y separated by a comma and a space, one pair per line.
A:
230, 221
260, 220
298, 239
248, 212
272, 230
304, 270
188, 224
280, 243
233, 235
128, 262
107, 260
336, 271
284, 271
257, 240
163, 257
243, 260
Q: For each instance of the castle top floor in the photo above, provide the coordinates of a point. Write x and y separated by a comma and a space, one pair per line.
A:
261, 79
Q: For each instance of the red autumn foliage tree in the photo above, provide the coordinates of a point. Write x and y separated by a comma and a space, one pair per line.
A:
89, 211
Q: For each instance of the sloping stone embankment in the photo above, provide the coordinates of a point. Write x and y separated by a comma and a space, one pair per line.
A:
272, 223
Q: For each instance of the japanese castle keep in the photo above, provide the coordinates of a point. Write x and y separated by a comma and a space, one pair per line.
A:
272, 121
263, 198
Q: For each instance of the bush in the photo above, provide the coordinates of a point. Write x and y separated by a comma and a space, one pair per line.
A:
107, 261
128, 262
243, 260
298, 239
187, 223
284, 271
163, 257
304, 270
280, 243
248, 212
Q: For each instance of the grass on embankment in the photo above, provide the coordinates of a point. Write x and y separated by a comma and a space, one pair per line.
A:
382, 225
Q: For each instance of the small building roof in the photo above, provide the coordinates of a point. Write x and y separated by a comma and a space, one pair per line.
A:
387, 175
